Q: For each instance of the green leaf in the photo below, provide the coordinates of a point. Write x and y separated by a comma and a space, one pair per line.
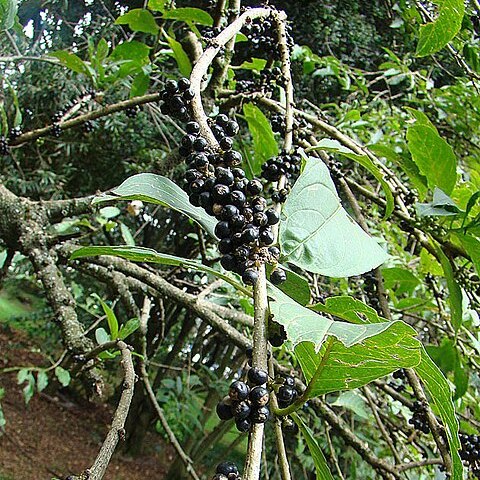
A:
127, 235
161, 191
295, 286
134, 51
455, 292
183, 62
101, 336
264, 143
406, 164
141, 254
139, 85
156, 5
189, 15
42, 380
440, 393
347, 368
139, 20
354, 402
305, 325
71, 61
349, 309
441, 206
111, 319
109, 212
472, 246
102, 50
317, 234
319, 460
8, 10
63, 376
128, 328
25, 375
435, 35
335, 146
257, 64
433, 156
400, 280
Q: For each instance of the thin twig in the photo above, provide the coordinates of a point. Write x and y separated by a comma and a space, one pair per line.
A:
117, 429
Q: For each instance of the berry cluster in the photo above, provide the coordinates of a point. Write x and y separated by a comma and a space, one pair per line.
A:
263, 39
401, 376
248, 404
3, 146
470, 452
370, 289
214, 182
227, 471
287, 392
284, 165
419, 418
265, 82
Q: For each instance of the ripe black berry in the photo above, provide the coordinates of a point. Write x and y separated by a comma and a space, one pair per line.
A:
171, 86
241, 410
224, 176
183, 84
238, 391
254, 187
289, 381
266, 236
261, 415
221, 119
224, 411
285, 394
222, 230
274, 252
259, 396
200, 144
273, 216
232, 158
250, 234
257, 376
278, 276
225, 468
237, 198
231, 128
228, 262
226, 143
243, 425
250, 276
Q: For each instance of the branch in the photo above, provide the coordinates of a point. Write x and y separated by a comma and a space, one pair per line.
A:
117, 430
73, 122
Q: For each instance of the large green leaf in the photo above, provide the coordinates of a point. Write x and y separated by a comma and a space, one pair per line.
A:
152, 188
454, 290
8, 10
134, 51
183, 62
440, 393
433, 156
400, 280
142, 254
264, 143
318, 235
336, 147
139, 20
321, 465
305, 325
435, 35
189, 15
359, 353
347, 368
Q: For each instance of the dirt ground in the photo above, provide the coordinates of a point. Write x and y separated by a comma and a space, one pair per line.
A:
54, 436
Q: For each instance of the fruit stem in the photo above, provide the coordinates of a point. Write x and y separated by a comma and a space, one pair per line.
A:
259, 360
